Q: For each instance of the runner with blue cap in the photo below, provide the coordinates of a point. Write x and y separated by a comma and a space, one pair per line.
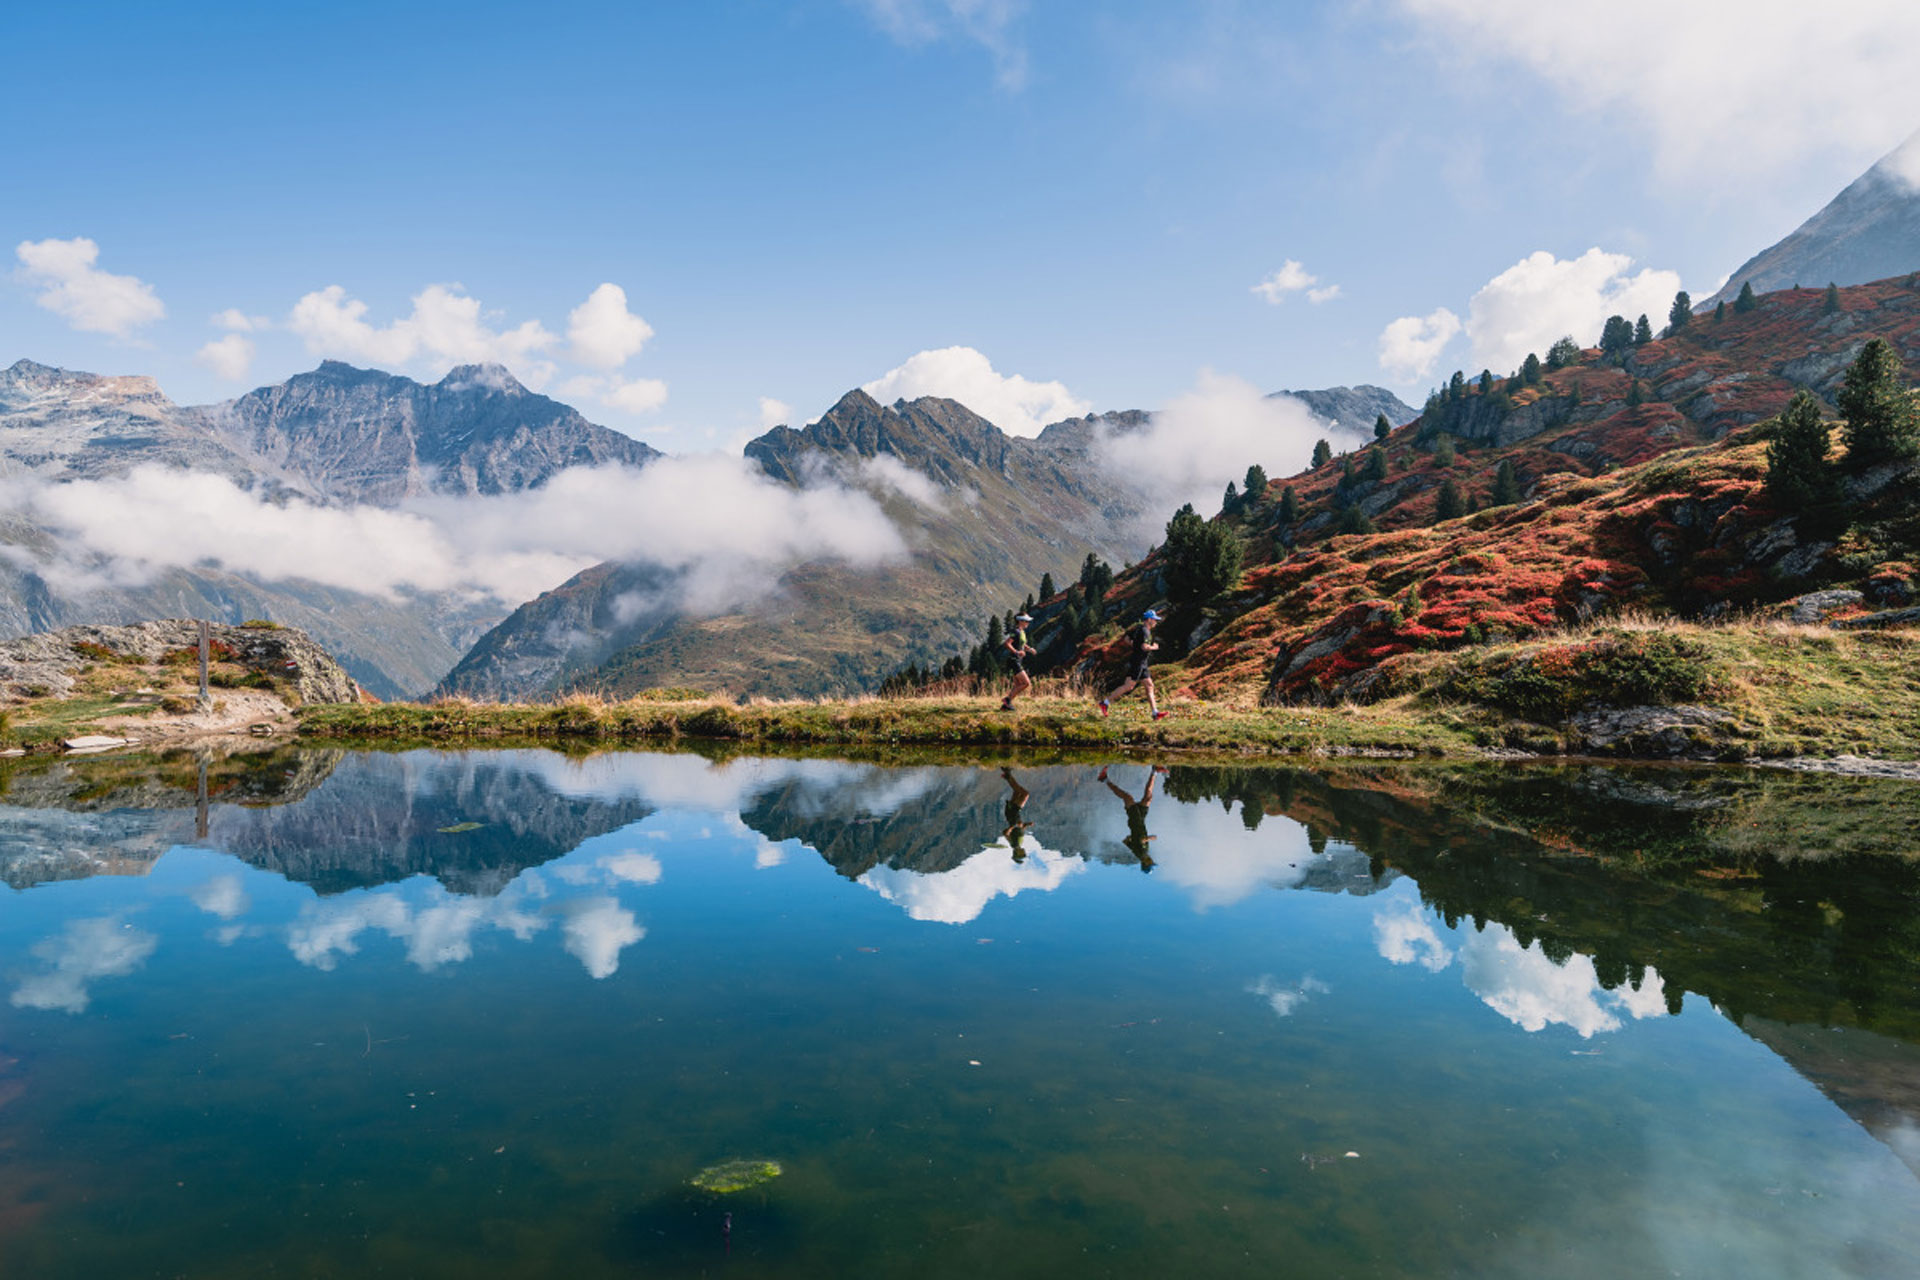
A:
1141, 638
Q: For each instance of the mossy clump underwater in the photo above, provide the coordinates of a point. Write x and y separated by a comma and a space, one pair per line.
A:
730, 1176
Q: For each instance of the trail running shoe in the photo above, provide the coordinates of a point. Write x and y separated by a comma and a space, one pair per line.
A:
1159, 715
1006, 704
1103, 706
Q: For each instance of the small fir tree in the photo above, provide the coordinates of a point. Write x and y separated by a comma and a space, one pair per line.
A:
1457, 386
1484, 382
1563, 354
1289, 506
1530, 371
1798, 474
1346, 470
1201, 557
1354, 520
1720, 311
1046, 586
1681, 313
1745, 302
1382, 428
1616, 339
1449, 505
1256, 483
1230, 501
1642, 332
1443, 452
1881, 425
1506, 485
1832, 304
1636, 394
1376, 464
1322, 453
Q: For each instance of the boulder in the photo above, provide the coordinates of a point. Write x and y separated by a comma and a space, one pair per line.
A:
1816, 605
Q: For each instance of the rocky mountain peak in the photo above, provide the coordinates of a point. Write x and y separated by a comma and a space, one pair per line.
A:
482, 377
941, 438
29, 380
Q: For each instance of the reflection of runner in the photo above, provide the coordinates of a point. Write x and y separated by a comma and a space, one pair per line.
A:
1016, 828
1141, 638
1019, 650
1137, 837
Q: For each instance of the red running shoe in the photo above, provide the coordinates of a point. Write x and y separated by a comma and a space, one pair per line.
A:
1159, 715
1103, 706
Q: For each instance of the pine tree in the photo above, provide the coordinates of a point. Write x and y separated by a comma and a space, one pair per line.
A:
1449, 505
1201, 558
1642, 332
1485, 382
1636, 394
1322, 453
1027, 608
1681, 314
1616, 339
1256, 483
1353, 520
1530, 371
1506, 486
1376, 464
1878, 408
996, 637
1382, 428
1443, 452
1289, 506
1832, 303
1798, 474
1473, 503
1720, 311
1046, 586
1563, 354
1230, 501
1457, 387
1746, 301
1346, 470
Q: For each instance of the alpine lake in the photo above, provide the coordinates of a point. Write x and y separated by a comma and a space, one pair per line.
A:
516, 1013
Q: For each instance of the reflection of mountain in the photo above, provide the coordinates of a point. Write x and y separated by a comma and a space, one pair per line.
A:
1871, 1078
472, 821
332, 819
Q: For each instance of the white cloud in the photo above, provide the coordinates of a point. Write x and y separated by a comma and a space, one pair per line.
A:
633, 867
623, 395
222, 896
1327, 294
1525, 986
1292, 278
602, 333
987, 23
1411, 345
595, 933
86, 950
1284, 998
1731, 93
89, 299
886, 472
1405, 935
1205, 437
237, 321
774, 413
719, 525
960, 895
229, 357
1012, 403
1541, 298
446, 327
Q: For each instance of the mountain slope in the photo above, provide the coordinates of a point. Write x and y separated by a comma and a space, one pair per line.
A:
986, 514
333, 436
1354, 408
1870, 231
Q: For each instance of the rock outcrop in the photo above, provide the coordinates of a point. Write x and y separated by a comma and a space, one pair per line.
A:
46, 664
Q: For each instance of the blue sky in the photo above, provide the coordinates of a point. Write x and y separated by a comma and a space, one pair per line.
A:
797, 198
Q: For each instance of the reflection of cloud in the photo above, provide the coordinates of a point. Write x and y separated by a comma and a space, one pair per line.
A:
222, 896
959, 895
1407, 936
769, 855
1284, 999
629, 866
596, 932
1210, 853
439, 932
102, 947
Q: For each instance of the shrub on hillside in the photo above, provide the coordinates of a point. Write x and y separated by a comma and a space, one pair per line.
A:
1616, 669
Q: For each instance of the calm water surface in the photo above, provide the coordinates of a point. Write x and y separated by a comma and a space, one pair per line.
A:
486, 1014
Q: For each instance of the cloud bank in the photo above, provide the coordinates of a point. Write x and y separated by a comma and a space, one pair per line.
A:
1016, 405
715, 522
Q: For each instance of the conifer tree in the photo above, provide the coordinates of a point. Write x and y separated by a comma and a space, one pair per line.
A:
1443, 452
1642, 332
1230, 501
1376, 465
1201, 557
1046, 586
1506, 486
1354, 520
1028, 606
1382, 428
1346, 470
1322, 453
1832, 304
1563, 354
1289, 506
1798, 474
1636, 394
1530, 372
1457, 386
996, 637
1485, 383
1746, 301
1616, 339
1473, 502
1878, 409
1681, 314
1449, 505
1256, 484
1720, 311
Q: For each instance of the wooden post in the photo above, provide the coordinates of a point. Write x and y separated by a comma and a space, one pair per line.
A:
206, 652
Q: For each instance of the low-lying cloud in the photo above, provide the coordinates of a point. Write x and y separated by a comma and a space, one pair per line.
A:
1016, 405
718, 527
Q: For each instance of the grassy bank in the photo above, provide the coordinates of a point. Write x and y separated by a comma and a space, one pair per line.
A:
1771, 690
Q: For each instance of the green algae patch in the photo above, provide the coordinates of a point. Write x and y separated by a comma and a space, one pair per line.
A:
731, 1176
460, 828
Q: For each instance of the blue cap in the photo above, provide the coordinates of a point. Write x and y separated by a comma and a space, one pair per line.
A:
1149, 616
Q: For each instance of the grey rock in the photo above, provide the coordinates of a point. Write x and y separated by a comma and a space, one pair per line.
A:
1672, 732
1354, 408
1802, 560
49, 661
1885, 618
1816, 605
